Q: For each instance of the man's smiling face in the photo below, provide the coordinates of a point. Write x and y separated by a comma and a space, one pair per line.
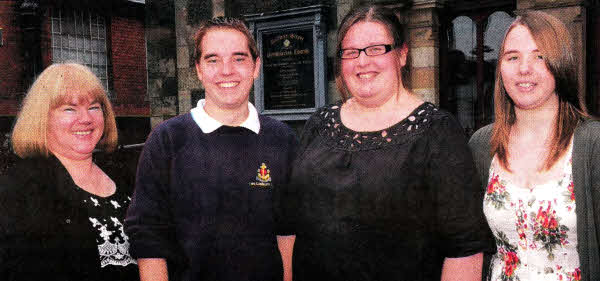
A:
226, 68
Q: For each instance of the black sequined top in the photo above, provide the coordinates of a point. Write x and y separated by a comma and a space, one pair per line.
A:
383, 205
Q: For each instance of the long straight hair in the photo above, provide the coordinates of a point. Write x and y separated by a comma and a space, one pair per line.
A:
560, 61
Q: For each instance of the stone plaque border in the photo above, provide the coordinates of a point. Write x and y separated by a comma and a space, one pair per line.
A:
311, 17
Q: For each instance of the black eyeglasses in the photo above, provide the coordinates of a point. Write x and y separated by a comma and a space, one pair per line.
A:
375, 50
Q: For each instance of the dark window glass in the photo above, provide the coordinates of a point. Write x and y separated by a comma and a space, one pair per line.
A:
470, 57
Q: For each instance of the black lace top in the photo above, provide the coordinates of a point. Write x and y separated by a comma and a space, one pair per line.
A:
105, 219
51, 229
383, 205
342, 137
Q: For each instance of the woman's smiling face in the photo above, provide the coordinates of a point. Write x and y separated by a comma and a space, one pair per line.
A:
525, 75
371, 79
75, 128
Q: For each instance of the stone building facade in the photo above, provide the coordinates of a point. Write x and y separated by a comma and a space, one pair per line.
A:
453, 47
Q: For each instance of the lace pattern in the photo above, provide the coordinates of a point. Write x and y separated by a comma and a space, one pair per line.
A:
344, 138
113, 243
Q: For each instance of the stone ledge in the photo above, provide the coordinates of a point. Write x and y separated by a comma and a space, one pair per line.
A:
427, 94
423, 57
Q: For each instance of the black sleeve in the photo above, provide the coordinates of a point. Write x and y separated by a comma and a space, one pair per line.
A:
10, 204
595, 185
286, 198
480, 149
22, 214
462, 229
149, 222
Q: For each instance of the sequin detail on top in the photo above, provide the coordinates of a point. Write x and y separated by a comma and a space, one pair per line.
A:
345, 138
113, 243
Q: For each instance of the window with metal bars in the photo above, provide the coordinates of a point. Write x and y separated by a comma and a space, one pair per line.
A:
80, 36
472, 42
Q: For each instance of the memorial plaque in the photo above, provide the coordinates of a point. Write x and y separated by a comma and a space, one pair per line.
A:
288, 69
292, 43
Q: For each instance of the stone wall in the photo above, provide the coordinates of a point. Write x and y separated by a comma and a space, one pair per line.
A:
162, 60
423, 19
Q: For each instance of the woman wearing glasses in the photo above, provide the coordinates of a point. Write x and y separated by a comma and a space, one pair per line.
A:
384, 186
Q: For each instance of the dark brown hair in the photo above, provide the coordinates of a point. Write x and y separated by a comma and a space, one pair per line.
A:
225, 23
372, 13
560, 60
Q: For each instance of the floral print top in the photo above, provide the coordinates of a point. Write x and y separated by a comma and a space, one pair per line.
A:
535, 229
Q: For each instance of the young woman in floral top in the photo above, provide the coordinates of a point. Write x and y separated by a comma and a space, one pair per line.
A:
533, 155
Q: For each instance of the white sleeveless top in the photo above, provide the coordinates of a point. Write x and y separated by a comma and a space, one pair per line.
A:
535, 229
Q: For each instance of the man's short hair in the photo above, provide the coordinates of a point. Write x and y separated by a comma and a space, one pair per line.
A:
224, 23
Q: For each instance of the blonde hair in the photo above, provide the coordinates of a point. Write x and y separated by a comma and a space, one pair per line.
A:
560, 60
56, 86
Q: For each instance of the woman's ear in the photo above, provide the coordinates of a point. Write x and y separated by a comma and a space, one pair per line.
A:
403, 54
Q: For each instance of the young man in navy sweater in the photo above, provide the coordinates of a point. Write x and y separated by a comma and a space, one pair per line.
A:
202, 207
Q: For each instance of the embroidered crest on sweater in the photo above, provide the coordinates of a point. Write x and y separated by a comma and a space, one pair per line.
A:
263, 177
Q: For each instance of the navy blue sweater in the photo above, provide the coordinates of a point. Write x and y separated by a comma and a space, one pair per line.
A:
204, 201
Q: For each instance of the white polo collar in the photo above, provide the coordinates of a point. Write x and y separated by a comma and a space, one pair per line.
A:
208, 124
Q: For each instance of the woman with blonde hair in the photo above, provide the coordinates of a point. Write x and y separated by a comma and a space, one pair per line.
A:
539, 160
60, 213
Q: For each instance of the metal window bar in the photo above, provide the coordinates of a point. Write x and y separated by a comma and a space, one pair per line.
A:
69, 41
124, 147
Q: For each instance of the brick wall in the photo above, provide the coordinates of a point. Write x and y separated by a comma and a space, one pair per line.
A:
11, 62
46, 38
128, 49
